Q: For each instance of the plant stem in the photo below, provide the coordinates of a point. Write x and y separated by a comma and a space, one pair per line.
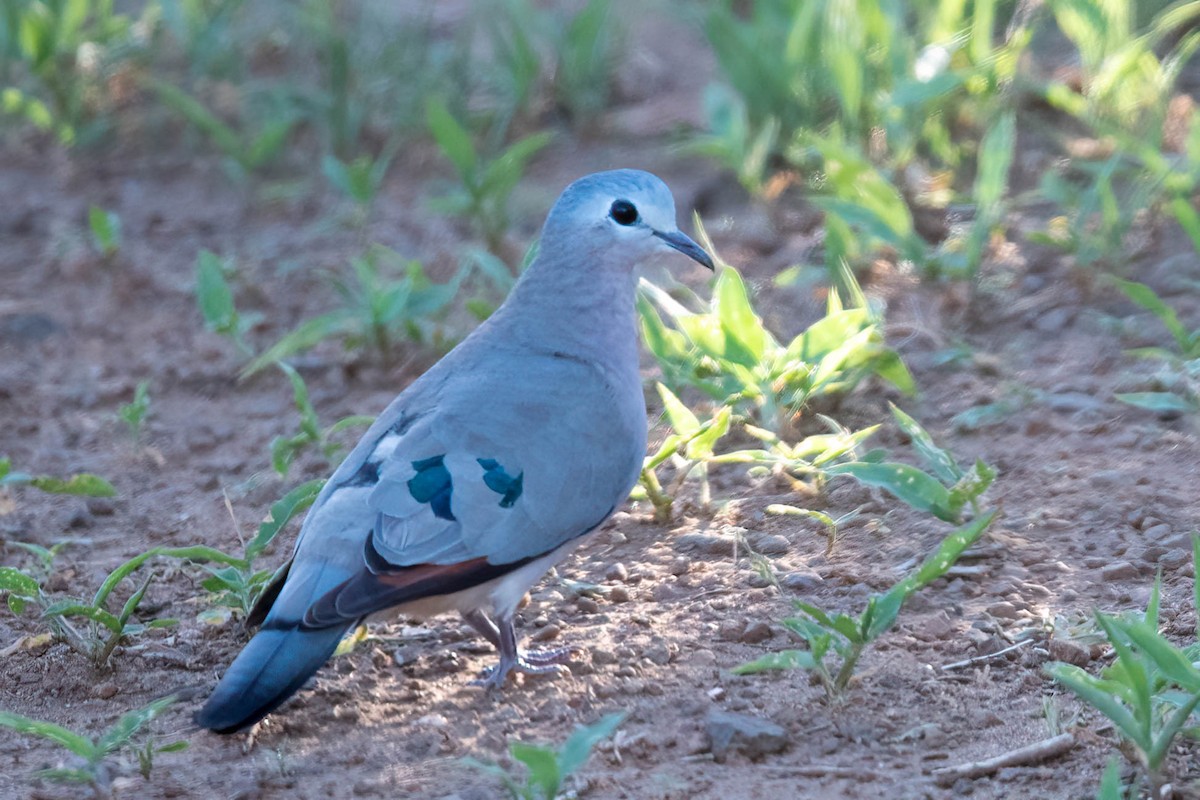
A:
654, 492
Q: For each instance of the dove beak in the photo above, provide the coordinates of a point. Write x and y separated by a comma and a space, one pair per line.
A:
682, 242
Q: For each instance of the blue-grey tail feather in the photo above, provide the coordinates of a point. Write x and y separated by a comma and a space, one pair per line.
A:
269, 670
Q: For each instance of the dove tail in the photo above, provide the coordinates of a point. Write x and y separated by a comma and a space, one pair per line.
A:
269, 670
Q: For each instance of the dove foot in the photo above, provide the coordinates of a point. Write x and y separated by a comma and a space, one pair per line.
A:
531, 662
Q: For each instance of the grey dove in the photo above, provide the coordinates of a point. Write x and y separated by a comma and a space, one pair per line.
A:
487, 470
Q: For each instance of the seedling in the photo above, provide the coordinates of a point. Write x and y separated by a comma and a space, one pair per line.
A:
285, 448
1182, 368
133, 413
92, 755
105, 227
485, 186
690, 447
727, 353
245, 153
235, 584
359, 180
84, 484
1152, 688
377, 309
586, 53
547, 767
214, 298
101, 630
847, 637
945, 493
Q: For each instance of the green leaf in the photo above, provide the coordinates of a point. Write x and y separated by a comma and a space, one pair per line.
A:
578, 747
79, 745
1145, 297
282, 510
74, 608
785, 659
17, 582
1158, 402
731, 304
680, 417
918, 489
83, 484
130, 723
214, 297
542, 765
120, 573
453, 139
106, 230
1169, 660
304, 337
1110, 783
1093, 692
939, 459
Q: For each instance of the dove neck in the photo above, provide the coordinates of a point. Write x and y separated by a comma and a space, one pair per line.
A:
587, 312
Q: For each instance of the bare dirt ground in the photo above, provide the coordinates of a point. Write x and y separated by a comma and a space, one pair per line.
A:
1095, 496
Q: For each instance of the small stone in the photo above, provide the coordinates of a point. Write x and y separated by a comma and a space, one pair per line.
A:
757, 632
602, 656
730, 630
1119, 571
772, 545
1174, 559
658, 653
1158, 532
801, 580
618, 594
587, 605
101, 506
752, 736
1061, 650
616, 537
547, 633
616, 572
105, 690
1002, 610
680, 565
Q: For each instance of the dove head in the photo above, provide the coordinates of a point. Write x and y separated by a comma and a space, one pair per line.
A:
620, 218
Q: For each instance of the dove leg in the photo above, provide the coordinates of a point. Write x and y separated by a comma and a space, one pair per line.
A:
504, 638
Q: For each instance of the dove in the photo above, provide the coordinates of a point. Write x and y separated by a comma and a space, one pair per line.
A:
489, 469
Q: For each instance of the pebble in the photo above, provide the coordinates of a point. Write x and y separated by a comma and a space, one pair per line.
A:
1003, 610
772, 545
658, 653
587, 605
757, 632
752, 736
1119, 571
603, 656
101, 506
616, 572
730, 629
1159, 531
1174, 559
1069, 652
618, 594
801, 580
105, 691
547, 633
680, 565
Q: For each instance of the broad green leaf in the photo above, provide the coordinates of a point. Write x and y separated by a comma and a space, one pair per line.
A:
578, 747
939, 459
79, 745
1159, 402
304, 337
1169, 659
680, 417
213, 295
1090, 690
17, 582
282, 511
542, 765
1145, 297
74, 608
785, 659
1135, 673
701, 446
130, 723
918, 489
83, 484
731, 304
453, 139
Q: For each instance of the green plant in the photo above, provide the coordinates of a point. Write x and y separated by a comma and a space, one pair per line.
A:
105, 227
133, 413
485, 186
377, 308
1181, 374
93, 754
726, 352
548, 767
84, 483
359, 180
945, 493
246, 152
309, 433
235, 584
690, 446
214, 298
847, 637
101, 630
59, 59
586, 53
1150, 691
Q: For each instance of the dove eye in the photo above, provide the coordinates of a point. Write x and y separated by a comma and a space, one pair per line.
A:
623, 212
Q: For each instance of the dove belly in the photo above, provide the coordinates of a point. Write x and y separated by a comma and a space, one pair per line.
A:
500, 595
